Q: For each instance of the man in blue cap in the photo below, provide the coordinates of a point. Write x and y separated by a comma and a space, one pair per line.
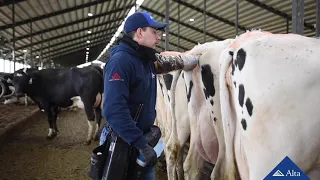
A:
130, 84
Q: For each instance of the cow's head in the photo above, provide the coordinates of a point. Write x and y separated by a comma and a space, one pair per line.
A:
21, 81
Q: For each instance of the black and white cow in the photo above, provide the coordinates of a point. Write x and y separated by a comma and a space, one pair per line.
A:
7, 89
53, 88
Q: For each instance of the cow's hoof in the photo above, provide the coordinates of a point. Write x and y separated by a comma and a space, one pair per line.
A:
50, 137
88, 142
53, 135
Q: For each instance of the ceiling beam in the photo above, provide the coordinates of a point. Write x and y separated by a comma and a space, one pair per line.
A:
76, 48
67, 47
278, 12
182, 23
67, 34
65, 42
8, 2
88, 36
74, 22
38, 18
210, 14
184, 38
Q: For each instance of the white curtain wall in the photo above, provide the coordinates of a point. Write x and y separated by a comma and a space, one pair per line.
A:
7, 66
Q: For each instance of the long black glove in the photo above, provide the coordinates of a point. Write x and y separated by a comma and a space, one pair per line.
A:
149, 155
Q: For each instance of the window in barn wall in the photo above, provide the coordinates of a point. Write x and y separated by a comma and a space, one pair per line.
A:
1, 65
11, 67
6, 66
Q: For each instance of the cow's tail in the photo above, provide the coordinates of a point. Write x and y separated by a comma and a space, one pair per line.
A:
173, 102
227, 169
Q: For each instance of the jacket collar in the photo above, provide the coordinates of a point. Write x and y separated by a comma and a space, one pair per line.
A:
141, 51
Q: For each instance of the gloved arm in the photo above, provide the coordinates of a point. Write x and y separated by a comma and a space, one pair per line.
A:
170, 61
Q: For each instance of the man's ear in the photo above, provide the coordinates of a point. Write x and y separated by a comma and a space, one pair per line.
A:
139, 32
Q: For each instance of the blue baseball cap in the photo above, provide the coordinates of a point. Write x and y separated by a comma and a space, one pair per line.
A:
141, 20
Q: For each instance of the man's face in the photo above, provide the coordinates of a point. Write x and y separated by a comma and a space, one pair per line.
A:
148, 37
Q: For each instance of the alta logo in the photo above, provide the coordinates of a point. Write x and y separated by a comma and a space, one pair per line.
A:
116, 77
286, 169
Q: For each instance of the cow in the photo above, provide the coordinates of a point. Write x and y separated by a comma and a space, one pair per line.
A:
266, 112
7, 89
8, 94
174, 132
54, 88
199, 104
268, 89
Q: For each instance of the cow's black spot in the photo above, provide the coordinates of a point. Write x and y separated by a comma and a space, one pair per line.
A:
212, 112
233, 68
211, 102
207, 79
244, 124
161, 88
182, 75
168, 98
189, 93
233, 62
249, 106
235, 84
241, 58
215, 119
168, 80
241, 95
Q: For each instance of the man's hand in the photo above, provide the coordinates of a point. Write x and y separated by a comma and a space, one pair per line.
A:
149, 155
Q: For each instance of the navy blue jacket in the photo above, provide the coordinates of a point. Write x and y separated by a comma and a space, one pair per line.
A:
129, 80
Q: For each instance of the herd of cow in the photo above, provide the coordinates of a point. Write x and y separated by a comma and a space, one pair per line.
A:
249, 103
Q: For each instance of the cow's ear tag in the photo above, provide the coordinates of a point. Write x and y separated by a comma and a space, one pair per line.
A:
30, 81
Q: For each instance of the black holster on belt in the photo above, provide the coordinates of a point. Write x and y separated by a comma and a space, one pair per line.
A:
119, 158
98, 159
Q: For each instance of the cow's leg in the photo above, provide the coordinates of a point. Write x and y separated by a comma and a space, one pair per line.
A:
25, 100
55, 115
179, 168
171, 157
88, 101
52, 132
98, 121
193, 163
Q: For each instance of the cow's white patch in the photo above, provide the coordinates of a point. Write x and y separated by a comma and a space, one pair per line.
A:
9, 80
19, 75
90, 130
30, 81
25, 100
97, 129
11, 88
9, 101
25, 70
50, 132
